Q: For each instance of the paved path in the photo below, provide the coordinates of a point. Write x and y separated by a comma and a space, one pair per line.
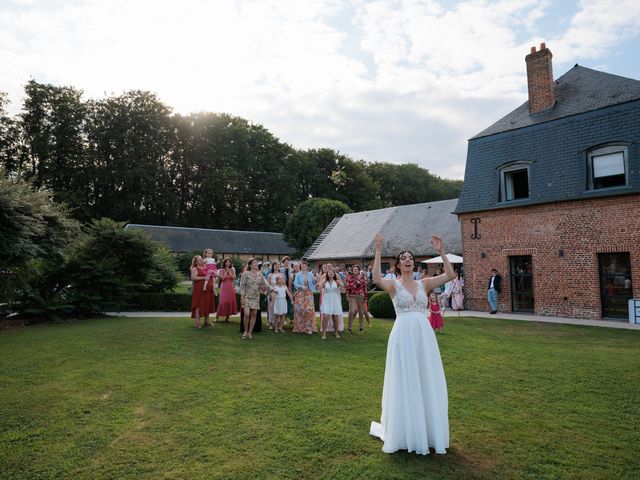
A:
448, 314
539, 318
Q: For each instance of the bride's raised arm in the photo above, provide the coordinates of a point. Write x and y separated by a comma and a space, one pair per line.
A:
386, 285
432, 282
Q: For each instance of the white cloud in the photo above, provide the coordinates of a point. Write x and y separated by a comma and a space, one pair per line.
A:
392, 80
597, 27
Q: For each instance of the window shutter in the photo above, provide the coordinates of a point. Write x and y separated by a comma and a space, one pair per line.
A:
608, 165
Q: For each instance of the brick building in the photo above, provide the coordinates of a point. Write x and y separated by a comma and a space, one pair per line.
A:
551, 197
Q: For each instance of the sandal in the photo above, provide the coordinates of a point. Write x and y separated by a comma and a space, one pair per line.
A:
244, 336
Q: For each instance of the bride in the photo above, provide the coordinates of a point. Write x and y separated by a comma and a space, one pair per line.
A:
414, 396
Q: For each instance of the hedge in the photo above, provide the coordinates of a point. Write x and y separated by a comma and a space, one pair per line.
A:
174, 302
381, 306
161, 302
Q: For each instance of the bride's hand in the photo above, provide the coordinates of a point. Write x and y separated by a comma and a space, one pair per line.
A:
378, 241
436, 241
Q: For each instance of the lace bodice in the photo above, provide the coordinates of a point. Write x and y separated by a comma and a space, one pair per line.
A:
404, 302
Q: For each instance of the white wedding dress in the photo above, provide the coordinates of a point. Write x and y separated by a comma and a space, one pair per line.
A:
414, 396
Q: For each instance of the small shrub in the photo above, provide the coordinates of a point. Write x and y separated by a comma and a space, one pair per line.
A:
381, 306
183, 262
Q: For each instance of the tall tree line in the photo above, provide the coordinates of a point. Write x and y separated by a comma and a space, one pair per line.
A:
128, 157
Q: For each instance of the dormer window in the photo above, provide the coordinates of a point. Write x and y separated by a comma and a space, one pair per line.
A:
608, 167
514, 182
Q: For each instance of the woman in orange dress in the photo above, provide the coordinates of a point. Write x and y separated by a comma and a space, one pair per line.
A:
202, 302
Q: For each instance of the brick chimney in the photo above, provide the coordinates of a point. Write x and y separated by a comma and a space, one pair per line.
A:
540, 80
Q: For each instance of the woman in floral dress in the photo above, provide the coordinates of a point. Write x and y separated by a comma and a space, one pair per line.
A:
304, 313
251, 284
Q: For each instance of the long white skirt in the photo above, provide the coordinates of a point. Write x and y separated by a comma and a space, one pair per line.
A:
414, 396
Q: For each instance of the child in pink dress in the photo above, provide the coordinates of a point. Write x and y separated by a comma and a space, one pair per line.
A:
210, 269
435, 316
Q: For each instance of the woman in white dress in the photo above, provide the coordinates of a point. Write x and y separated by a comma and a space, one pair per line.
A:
414, 397
331, 307
271, 278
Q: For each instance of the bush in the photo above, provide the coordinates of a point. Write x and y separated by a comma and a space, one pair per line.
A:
381, 306
35, 235
183, 262
114, 264
161, 302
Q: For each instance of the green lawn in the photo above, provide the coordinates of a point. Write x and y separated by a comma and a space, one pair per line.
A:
157, 398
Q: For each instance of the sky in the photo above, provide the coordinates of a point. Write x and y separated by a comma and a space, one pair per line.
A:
389, 80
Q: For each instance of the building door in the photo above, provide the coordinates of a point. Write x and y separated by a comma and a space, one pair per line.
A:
521, 273
615, 284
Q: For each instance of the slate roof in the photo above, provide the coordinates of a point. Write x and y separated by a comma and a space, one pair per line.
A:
183, 239
408, 227
555, 145
579, 90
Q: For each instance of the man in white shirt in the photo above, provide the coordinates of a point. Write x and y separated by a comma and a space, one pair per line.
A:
389, 275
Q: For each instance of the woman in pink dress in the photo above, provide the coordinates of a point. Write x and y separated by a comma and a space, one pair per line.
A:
435, 315
227, 304
202, 302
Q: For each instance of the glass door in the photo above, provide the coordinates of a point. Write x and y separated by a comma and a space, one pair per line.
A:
615, 284
521, 273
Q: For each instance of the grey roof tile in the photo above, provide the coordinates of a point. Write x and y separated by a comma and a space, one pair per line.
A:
183, 239
579, 90
408, 227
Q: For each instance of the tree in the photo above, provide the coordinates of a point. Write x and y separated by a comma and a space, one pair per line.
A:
12, 153
127, 157
409, 183
31, 224
130, 138
35, 233
53, 122
309, 219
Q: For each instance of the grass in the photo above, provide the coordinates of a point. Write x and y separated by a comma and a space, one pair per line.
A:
156, 398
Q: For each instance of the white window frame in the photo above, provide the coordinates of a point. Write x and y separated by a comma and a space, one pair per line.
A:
514, 167
597, 152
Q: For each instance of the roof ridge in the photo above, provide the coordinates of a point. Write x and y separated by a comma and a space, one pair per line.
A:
199, 228
414, 205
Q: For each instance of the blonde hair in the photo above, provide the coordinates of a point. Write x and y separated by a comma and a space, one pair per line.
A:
194, 261
204, 254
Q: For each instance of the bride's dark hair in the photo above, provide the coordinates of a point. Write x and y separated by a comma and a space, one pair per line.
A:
398, 272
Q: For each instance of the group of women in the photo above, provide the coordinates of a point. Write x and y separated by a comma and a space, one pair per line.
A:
290, 291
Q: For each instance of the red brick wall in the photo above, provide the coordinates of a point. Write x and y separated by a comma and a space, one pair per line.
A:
565, 286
